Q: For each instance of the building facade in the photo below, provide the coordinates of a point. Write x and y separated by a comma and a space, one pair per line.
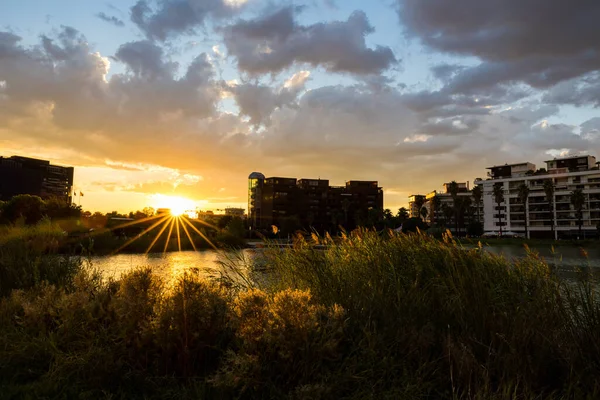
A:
442, 210
545, 218
311, 203
23, 175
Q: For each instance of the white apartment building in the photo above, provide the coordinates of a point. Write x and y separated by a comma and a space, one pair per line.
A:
567, 174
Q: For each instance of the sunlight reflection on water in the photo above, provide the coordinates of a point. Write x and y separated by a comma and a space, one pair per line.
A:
167, 265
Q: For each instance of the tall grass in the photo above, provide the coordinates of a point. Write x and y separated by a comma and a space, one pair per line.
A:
400, 316
29, 256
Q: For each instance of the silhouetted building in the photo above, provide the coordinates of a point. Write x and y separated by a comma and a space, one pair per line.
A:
23, 175
290, 204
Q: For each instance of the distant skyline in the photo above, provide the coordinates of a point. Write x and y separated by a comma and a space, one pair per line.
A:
186, 98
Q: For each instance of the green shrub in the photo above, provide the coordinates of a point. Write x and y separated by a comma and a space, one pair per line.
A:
28, 256
387, 316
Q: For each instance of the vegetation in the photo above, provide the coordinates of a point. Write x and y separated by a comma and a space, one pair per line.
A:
549, 191
523, 194
399, 316
578, 202
498, 193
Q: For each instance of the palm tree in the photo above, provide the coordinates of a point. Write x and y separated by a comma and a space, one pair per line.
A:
453, 189
498, 194
435, 207
477, 194
523, 193
578, 201
418, 204
465, 209
549, 191
423, 213
402, 215
447, 211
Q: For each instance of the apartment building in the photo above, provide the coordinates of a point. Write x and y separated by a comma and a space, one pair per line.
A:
311, 202
545, 219
444, 213
23, 175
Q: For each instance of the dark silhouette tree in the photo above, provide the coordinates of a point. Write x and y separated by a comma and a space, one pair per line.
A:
448, 212
498, 194
578, 201
423, 213
523, 194
549, 191
418, 204
403, 214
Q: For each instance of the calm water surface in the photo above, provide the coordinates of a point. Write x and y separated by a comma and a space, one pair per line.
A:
566, 260
170, 265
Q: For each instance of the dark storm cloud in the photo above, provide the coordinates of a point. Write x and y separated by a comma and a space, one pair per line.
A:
579, 92
276, 41
110, 19
174, 17
145, 59
539, 42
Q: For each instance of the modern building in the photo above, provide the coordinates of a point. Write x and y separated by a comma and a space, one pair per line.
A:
442, 211
544, 218
23, 175
311, 203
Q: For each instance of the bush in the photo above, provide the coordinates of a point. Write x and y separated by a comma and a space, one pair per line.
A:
393, 316
28, 256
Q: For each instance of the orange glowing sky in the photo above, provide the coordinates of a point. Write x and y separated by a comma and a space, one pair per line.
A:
184, 99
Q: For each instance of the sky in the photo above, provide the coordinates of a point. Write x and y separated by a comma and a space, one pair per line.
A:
150, 99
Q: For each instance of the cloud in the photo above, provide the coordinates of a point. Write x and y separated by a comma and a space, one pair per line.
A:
274, 42
174, 17
259, 101
539, 42
111, 19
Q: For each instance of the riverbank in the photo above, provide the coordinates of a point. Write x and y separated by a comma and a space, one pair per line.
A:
401, 316
530, 242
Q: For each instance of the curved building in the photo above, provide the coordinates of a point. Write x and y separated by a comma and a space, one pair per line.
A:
255, 185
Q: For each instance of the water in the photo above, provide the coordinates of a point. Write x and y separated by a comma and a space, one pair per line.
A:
169, 265
565, 260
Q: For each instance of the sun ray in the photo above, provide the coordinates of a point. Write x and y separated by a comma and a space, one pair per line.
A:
157, 236
189, 237
169, 235
207, 224
133, 239
200, 233
178, 235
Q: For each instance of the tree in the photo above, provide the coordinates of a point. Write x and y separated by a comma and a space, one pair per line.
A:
402, 215
498, 194
236, 228
418, 204
29, 208
464, 205
477, 194
523, 194
448, 212
224, 221
549, 191
423, 213
578, 201
453, 189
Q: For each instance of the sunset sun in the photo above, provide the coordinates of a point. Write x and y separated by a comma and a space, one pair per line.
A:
176, 205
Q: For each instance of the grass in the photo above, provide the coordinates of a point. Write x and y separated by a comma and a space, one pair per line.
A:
400, 316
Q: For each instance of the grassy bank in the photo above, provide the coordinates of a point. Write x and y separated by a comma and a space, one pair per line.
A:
530, 242
404, 316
